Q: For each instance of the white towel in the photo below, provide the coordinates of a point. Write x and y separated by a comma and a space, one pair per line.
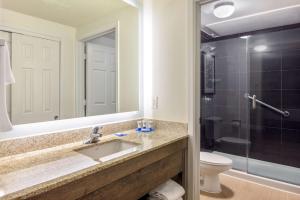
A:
6, 78
169, 190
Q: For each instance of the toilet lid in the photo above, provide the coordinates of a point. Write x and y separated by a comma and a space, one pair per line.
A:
214, 159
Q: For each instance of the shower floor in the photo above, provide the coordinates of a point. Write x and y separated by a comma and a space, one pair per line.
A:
265, 169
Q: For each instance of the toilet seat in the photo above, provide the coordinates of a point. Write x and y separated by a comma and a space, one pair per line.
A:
214, 159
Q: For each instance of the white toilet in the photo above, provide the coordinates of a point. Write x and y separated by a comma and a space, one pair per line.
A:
211, 165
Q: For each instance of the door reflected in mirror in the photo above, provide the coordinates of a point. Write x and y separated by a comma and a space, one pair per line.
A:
70, 58
101, 75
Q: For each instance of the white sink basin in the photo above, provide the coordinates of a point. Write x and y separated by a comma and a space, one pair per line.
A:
109, 150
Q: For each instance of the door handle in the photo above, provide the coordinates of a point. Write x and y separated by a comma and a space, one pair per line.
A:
254, 101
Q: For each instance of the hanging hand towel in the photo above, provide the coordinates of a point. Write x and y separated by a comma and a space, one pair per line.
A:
6, 78
169, 190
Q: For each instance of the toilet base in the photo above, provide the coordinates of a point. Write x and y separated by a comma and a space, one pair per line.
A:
210, 184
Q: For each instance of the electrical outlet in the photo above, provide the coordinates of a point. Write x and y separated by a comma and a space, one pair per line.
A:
155, 103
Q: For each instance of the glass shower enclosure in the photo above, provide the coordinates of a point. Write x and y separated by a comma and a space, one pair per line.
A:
250, 101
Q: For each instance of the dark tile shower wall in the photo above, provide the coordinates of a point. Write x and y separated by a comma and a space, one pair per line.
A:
223, 113
275, 79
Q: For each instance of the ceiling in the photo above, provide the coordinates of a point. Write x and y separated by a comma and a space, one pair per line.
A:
251, 15
69, 12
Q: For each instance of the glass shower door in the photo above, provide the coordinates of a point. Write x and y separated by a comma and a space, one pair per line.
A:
274, 105
223, 106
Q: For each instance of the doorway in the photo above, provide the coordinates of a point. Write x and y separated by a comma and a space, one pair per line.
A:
249, 96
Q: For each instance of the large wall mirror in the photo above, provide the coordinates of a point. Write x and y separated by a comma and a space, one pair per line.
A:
71, 58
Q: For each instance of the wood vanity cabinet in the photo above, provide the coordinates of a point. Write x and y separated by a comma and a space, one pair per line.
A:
128, 180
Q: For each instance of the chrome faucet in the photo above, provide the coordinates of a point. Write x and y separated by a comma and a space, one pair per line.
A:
95, 135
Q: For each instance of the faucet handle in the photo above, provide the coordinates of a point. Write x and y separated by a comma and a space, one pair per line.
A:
97, 130
95, 135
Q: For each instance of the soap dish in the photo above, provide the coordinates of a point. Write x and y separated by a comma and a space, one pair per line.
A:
144, 130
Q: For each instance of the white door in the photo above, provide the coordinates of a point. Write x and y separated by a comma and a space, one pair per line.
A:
35, 95
101, 80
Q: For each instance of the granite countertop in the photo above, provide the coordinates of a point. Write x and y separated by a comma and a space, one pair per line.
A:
28, 174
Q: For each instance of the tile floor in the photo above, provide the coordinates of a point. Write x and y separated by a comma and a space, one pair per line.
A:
239, 189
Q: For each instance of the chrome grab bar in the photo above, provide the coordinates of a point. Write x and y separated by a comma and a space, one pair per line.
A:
254, 101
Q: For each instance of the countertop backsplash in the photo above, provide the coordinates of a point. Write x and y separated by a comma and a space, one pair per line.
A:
15, 146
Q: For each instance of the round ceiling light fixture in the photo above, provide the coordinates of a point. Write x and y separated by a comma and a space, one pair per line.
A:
224, 9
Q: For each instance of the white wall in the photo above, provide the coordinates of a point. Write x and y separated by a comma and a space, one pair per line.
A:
20, 22
169, 61
169, 70
128, 19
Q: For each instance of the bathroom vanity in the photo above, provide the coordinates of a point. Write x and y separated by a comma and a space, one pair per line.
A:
114, 168
77, 64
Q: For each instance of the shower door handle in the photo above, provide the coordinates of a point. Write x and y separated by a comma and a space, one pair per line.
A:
254, 101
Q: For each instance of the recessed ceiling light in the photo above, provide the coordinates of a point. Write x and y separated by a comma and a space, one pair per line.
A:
224, 9
245, 36
260, 48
